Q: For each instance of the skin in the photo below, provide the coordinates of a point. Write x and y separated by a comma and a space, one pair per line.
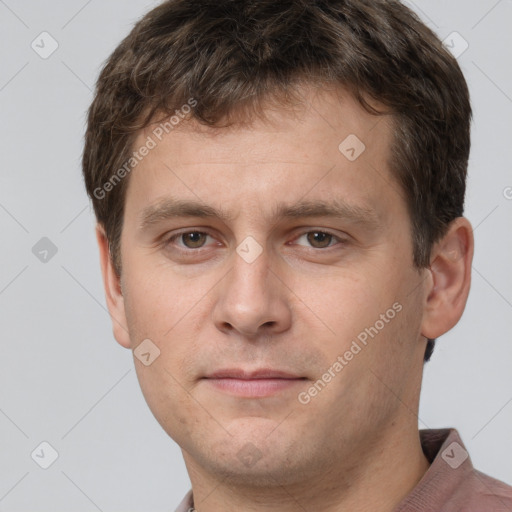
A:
297, 307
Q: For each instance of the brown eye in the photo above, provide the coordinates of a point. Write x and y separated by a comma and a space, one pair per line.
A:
193, 239
319, 239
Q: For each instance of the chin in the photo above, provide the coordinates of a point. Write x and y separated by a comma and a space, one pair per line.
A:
254, 456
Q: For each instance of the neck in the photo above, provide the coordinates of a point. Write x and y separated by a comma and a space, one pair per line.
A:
392, 465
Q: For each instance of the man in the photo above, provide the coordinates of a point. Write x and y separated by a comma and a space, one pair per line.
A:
279, 189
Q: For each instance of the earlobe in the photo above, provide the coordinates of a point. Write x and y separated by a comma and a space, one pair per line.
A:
448, 288
113, 290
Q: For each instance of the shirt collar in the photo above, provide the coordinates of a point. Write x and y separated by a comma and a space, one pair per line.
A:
450, 467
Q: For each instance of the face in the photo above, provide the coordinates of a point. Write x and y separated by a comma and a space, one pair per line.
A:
286, 309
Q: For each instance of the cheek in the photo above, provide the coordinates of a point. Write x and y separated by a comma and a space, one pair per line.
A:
167, 398
158, 302
172, 312
346, 302
367, 319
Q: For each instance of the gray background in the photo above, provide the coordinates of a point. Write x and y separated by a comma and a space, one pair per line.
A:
64, 379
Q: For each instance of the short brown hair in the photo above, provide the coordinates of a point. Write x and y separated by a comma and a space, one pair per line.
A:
231, 55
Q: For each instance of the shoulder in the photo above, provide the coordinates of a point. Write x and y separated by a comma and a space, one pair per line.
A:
481, 492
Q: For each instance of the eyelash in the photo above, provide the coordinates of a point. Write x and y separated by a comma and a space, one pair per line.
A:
171, 239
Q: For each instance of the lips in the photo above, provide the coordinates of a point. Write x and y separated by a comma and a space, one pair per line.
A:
258, 383
263, 373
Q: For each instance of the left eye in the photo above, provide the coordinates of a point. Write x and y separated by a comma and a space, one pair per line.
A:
191, 239
319, 239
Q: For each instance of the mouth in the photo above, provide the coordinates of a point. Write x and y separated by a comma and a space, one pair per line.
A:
253, 384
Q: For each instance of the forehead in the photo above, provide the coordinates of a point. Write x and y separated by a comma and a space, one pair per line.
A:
327, 147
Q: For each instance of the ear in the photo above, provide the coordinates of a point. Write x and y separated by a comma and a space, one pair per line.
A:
450, 279
113, 291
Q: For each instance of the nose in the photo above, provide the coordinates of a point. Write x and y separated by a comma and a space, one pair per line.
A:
252, 300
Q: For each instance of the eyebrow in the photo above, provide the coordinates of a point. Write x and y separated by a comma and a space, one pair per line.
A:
174, 208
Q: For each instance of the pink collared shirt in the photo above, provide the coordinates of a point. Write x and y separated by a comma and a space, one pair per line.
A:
451, 483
